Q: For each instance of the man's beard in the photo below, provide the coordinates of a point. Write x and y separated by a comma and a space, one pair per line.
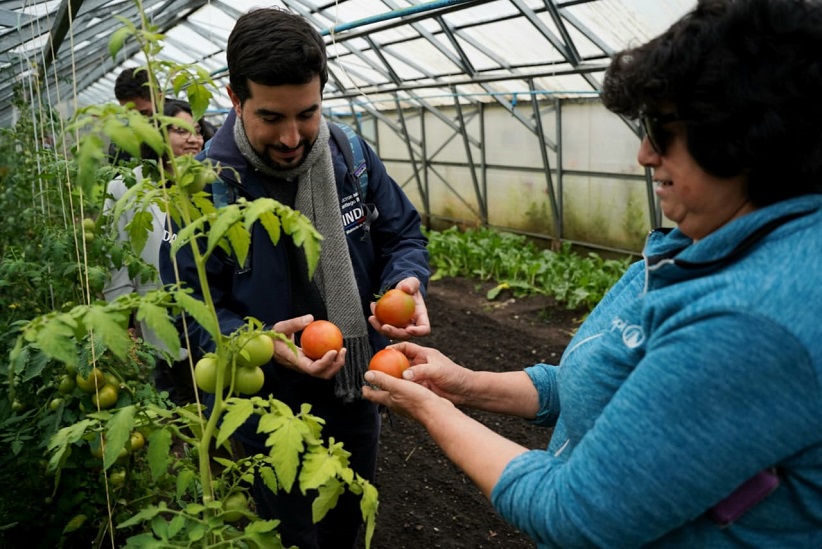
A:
280, 166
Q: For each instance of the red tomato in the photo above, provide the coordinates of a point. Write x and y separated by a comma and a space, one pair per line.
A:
389, 361
319, 337
396, 308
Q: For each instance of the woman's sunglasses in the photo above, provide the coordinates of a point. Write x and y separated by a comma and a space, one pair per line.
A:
653, 126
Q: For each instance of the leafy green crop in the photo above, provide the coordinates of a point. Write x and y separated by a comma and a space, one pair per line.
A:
517, 264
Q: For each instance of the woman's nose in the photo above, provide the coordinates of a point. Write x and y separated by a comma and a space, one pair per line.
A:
647, 155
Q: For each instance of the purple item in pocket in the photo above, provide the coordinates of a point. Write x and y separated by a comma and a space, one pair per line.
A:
754, 490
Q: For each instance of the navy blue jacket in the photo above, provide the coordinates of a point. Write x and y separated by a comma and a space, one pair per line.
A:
393, 249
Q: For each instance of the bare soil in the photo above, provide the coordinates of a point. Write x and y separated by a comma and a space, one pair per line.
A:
425, 501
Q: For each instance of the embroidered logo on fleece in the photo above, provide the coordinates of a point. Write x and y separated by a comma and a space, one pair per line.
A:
632, 334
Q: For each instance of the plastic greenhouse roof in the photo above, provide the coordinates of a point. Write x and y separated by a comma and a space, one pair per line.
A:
383, 54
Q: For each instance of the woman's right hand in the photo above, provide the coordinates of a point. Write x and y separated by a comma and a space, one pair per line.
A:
432, 369
323, 368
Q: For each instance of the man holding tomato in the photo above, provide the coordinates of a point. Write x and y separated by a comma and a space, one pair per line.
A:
276, 143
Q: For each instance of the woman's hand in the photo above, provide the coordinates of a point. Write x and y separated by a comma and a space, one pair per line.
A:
324, 368
436, 372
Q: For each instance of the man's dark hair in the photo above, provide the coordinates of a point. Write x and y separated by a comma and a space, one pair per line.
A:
132, 83
745, 78
274, 47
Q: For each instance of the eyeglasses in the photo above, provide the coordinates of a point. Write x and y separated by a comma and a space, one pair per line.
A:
657, 136
184, 133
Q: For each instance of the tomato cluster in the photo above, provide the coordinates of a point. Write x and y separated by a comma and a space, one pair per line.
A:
248, 375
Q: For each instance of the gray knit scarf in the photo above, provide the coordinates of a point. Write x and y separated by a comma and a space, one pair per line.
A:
317, 199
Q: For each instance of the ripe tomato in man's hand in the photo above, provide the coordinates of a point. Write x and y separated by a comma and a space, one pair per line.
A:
319, 337
389, 361
395, 307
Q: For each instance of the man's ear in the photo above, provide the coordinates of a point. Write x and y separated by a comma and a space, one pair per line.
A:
235, 101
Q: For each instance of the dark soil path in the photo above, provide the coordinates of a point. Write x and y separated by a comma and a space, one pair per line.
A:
425, 501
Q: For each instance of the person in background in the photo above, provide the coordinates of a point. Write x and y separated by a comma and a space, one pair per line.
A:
174, 377
131, 87
686, 410
276, 143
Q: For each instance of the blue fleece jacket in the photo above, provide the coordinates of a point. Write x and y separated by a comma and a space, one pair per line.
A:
699, 369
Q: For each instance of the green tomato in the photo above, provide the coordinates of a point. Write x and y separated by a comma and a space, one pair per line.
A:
205, 374
249, 381
233, 506
117, 478
55, 404
136, 441
105, 397
67, 385
89, 224
257, 351
94, 380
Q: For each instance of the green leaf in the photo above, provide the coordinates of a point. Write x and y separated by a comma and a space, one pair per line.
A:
56, 339
269, 479
159, 453
89, 157
238, 411
122, 135
199, 97
158, 320
117, 434
109, 325
147, 133
369, 504
220, 225
286, 443
321, 464
117, 40
138, 229
147, 513
176, 525
186, 482
60, 441
187, 234
75, 523
327, 498
200, 312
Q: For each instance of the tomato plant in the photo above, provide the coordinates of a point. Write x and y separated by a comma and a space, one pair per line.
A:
319, 337
257, 351
389, 361
395, 307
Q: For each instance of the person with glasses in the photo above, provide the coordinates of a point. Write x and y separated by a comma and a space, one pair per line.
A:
686, 409
173, 377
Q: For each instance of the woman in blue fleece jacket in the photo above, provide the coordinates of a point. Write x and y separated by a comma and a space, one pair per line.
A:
687, 410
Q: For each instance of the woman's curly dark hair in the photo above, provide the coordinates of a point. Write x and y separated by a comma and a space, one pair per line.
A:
745, 76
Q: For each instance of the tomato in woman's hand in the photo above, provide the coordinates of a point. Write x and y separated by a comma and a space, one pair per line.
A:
319, 337
395, 307
389, 361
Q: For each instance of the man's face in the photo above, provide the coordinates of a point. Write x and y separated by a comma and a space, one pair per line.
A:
142, 105
281, 122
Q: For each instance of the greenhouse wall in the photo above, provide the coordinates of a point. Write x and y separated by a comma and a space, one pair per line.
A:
594, 192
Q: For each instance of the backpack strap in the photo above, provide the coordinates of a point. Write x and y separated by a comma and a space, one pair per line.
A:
353, 154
